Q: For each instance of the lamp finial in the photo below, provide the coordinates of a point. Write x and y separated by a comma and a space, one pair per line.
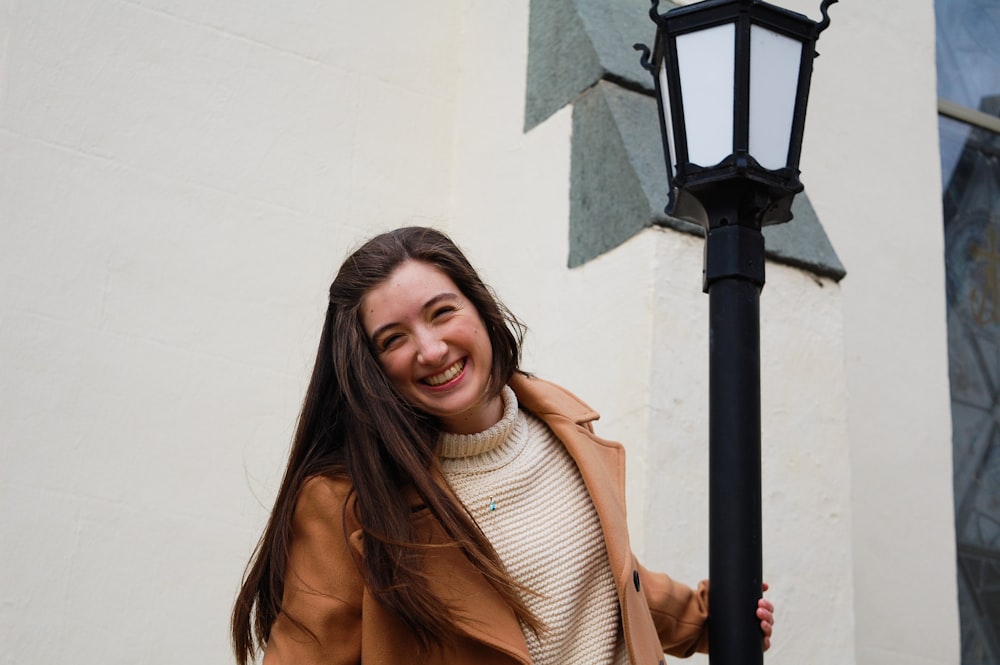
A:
654, 12
825, 23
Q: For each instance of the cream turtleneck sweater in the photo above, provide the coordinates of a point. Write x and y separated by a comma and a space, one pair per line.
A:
526, 493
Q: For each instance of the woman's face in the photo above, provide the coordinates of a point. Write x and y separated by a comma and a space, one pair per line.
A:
433, 346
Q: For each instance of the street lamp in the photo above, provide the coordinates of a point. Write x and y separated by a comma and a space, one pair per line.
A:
732, 82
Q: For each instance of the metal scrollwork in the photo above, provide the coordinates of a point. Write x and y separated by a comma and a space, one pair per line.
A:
825, 23
654, 12
644, 58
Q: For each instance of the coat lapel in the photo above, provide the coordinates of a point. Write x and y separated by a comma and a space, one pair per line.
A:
479, 611
602, 466
601, 463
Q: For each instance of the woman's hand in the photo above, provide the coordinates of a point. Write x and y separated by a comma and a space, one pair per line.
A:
765, 612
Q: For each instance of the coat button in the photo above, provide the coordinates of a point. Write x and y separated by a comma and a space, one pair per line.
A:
635, 579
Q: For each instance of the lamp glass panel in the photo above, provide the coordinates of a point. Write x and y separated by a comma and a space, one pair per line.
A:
706, 61
774, 82
668, 118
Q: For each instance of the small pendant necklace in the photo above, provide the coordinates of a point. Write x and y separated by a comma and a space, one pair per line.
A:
493, 505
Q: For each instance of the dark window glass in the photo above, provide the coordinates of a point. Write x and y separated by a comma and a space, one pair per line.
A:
968, 61
968, 50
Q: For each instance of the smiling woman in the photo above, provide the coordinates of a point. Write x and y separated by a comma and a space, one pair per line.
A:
422, 512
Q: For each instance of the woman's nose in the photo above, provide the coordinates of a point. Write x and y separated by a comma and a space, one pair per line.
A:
431, 349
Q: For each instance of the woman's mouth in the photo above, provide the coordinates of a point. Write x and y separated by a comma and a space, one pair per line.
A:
445, 376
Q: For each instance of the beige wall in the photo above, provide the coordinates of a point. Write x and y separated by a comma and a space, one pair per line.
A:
179, 182
873, 172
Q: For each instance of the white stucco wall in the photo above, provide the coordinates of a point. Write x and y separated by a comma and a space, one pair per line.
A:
179, 182
872, 171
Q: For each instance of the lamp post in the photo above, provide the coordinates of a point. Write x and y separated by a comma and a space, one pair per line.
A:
732, 82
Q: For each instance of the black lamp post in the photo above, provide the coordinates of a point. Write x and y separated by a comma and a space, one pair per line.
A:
732, 82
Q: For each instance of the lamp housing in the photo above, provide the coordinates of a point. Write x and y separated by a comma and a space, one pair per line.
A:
732, 83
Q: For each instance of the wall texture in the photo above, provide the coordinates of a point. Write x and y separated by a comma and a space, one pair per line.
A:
873, 174
179, 180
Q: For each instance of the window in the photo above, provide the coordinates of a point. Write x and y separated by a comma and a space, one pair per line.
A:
968, 64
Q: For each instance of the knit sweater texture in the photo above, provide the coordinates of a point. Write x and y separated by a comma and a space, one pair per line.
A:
526, 493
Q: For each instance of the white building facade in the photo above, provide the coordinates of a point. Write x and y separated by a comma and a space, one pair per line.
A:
181, 179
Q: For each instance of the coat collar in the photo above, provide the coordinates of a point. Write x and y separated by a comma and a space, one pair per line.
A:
546, 399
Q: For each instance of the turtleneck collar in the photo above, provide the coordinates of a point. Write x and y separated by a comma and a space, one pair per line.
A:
458, 446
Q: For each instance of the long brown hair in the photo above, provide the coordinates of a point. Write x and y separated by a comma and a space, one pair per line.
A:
353, 422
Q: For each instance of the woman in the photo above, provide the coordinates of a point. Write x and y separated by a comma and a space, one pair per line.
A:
441, 506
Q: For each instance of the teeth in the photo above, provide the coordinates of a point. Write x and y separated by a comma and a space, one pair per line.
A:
446, 375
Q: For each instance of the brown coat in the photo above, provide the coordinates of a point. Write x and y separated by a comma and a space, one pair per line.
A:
324, 590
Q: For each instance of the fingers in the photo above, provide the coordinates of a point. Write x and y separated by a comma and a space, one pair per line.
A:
765, 612
767, 605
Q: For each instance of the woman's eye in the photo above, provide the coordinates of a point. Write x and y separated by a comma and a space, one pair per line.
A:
389, 341
441, 311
